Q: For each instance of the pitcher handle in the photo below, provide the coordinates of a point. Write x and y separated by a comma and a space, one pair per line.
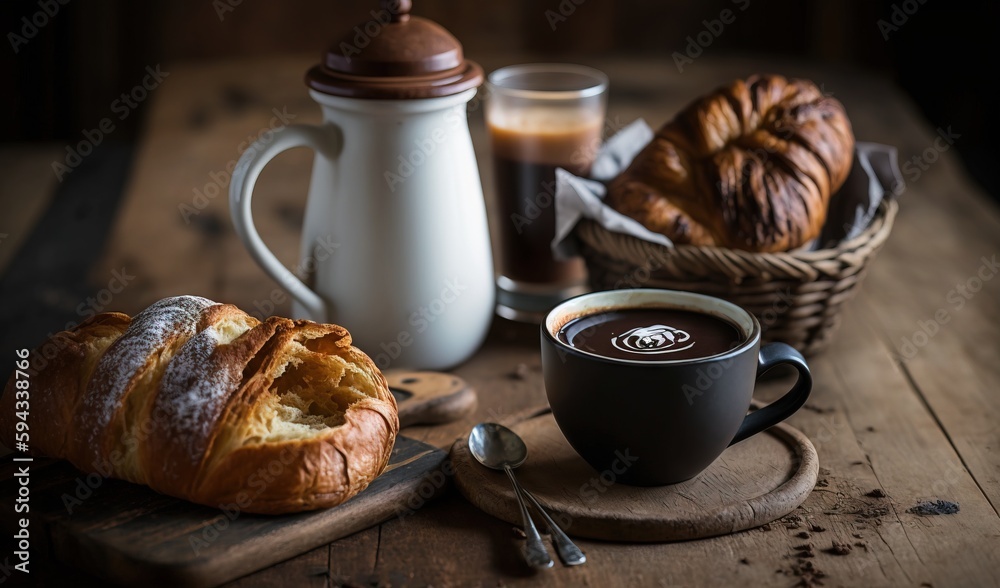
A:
325, 140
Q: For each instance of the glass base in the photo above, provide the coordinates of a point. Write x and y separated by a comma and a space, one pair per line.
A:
529, 303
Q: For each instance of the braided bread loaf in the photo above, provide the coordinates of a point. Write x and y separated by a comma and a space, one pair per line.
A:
751, 166
196, 399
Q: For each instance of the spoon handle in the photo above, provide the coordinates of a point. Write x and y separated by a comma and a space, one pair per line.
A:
534, 550
569, 553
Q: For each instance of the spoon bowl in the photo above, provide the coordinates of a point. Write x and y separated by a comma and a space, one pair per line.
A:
495, 446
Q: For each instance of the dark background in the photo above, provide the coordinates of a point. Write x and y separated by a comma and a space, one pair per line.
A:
60, 81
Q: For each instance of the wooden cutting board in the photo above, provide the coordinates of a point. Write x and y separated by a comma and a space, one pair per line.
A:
131, 535
754, 482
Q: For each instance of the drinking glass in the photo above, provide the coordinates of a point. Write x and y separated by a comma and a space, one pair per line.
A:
540, 117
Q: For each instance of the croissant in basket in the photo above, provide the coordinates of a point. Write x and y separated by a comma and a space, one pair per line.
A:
201, 401
751, 166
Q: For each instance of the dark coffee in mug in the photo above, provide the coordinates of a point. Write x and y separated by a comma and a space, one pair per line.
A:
666, 375
651, 334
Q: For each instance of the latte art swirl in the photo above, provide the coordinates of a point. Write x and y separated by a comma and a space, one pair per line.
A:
653, 339
651, 334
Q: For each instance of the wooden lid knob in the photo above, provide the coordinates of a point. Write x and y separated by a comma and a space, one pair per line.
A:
399, 10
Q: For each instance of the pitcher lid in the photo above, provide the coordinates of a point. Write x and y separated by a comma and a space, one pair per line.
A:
395, 56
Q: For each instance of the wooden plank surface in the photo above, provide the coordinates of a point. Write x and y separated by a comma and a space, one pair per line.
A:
915, 427
129, 534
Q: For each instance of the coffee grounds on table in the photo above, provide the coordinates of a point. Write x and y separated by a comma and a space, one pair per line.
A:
934, 507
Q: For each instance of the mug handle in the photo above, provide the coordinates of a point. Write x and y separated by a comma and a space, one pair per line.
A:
773, 354
326, 140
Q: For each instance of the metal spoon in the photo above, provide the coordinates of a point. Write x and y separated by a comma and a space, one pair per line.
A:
497, 447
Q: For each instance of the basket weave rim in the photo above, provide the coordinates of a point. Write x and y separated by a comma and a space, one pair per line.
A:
876, 232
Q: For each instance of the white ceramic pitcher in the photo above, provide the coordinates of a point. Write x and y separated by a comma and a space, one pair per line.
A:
395, 236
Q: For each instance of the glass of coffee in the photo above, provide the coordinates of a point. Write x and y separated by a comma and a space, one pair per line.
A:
540, 117
662, 375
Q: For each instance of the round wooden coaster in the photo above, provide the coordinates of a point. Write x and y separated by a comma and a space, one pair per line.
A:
754, 482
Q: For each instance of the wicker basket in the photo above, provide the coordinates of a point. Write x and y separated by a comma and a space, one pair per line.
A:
797, 295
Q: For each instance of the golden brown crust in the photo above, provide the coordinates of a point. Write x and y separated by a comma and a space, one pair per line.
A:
178, 429
316, 473
304, 475
216, 407
750, 166
126, 376
59, 371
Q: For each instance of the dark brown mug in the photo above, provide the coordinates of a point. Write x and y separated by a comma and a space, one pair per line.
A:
662, 421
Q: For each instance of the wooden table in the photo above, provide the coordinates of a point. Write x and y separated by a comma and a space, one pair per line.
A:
912, 415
